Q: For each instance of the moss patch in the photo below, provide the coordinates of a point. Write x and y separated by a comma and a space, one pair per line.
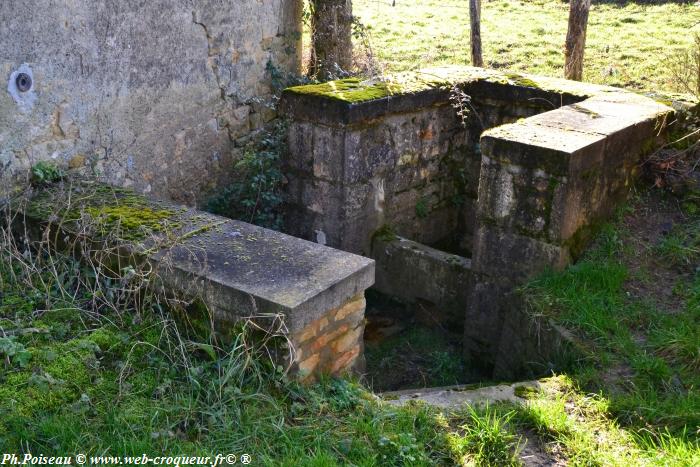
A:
525, 392
355, 90
521, 80
114, 211
385, 233
131, 218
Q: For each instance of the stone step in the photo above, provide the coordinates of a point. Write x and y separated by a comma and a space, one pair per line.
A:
459, 395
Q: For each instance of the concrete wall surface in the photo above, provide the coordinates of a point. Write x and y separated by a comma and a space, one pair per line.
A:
152, 94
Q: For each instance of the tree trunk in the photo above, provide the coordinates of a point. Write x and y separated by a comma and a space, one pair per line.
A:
475, 20
576, 39
331, 38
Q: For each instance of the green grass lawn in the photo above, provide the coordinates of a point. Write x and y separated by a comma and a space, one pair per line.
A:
627, 42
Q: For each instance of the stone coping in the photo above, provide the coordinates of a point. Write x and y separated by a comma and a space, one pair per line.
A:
238, 269
574, 137
352, 100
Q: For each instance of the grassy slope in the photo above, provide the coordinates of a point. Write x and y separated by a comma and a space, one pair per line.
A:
83, 378
625, 45
635, 298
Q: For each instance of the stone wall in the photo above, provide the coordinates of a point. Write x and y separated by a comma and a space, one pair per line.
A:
156, 95
436, 281
355, 167
347, 181
332, 344
540, 163
546, 184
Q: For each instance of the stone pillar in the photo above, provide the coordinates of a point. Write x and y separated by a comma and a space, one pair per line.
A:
545, 185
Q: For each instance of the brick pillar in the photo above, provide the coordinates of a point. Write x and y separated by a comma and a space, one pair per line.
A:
332, 344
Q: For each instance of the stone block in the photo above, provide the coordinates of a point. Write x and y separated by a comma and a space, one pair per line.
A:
483, 320
334, 349
241, 271
515, 197
553, 150
532, 345
299, 155
413, 272
328, 153
369, 153
513, 257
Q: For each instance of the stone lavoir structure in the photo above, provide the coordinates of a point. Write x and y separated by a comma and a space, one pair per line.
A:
156, 95
459, 211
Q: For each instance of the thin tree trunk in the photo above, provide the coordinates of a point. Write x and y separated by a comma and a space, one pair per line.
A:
576, 39
475, 20
331, 38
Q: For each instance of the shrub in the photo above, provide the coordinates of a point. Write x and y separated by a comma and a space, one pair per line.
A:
255, 196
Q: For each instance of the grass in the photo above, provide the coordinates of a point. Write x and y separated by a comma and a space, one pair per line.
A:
487, 437
418, 356
627, 42
78, 377
86, 368
84, 372
643, 387
579, 426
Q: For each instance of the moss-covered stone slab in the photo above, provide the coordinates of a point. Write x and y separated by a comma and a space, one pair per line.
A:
353, 100
238, 269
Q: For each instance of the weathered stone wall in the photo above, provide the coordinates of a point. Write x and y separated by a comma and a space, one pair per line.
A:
546, 184
406, 162
414, 273
156, 95
553, 159
345, 182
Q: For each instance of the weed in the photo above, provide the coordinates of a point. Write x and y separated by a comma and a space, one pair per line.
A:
422, 209
462, 103
486, 438
256, 196
684, 68
14, 352
681, 246
45, 172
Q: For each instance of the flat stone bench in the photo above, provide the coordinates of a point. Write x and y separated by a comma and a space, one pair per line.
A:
239, 271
